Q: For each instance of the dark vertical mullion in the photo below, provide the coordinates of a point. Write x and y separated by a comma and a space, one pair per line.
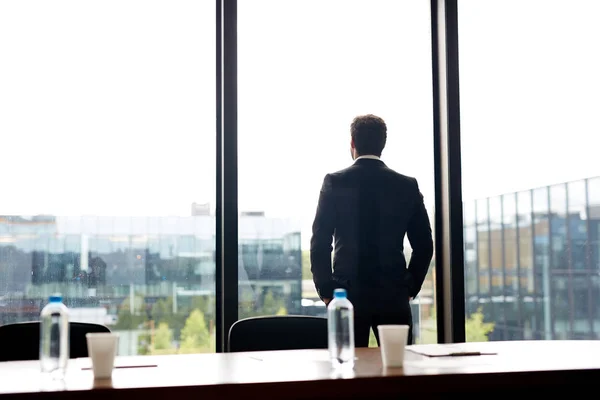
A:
228, 250
450, 277
457, 262
221, 337
440, 283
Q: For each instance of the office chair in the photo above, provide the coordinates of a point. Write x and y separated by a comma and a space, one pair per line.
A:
21, 341
292, 332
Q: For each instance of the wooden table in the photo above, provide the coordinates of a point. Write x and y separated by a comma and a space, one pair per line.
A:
518, 368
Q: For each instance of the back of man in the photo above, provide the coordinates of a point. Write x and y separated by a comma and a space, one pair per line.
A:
368, 209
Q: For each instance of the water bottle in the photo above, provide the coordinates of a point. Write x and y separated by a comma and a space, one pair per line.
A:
340, 321
54, 337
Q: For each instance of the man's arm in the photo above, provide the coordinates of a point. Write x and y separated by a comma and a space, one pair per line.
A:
421, 241
320, 243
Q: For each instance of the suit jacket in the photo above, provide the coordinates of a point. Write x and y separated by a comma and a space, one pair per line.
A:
368, 209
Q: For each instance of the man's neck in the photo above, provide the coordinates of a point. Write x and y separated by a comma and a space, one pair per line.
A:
369, 156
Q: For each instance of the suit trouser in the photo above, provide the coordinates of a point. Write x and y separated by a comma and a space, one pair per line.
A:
365, 320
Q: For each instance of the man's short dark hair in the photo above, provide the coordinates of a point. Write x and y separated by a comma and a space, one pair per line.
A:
369, 134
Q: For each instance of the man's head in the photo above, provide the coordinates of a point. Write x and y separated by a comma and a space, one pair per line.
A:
369, 134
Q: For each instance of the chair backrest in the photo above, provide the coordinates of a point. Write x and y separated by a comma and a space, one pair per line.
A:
21, 341
291, 332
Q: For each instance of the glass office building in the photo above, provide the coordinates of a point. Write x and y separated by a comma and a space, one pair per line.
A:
115, 270
532, 261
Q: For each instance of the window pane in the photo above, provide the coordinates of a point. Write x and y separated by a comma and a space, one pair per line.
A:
299, 90
108, 137
528, 95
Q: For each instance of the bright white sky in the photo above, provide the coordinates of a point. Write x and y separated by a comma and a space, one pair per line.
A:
107, 107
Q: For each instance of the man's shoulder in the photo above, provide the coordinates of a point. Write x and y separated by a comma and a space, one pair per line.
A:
353, 169
342, 176
401, 177
342, 172
353, 174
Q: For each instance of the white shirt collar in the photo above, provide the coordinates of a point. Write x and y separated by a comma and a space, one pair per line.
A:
369, 157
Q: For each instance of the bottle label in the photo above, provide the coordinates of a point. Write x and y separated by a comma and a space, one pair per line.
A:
345, 313
55, 335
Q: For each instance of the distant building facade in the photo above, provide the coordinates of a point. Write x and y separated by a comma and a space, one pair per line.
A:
99, 261
532, 261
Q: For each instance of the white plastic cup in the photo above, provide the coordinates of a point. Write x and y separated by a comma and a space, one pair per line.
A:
102, 349
392, 340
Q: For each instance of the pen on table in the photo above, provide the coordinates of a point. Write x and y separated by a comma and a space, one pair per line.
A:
126, 366
469, 353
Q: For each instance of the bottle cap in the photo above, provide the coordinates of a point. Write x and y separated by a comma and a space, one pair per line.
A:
339, 293
55, 298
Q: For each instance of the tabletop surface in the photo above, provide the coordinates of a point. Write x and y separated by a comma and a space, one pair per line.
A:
303, 365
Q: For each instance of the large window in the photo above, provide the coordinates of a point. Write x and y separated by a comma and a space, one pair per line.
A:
306, 69
108, 167
529, 143
108, 119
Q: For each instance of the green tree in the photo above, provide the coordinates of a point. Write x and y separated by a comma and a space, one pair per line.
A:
195, 337
270, 304
476, 329
143, 344
282, 311
306, 273
162, 310
128, 320
163, 337
201, 303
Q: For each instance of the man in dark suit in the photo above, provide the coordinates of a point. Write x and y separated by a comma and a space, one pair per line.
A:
367, 209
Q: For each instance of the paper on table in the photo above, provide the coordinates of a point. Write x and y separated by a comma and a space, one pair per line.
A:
447, 350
